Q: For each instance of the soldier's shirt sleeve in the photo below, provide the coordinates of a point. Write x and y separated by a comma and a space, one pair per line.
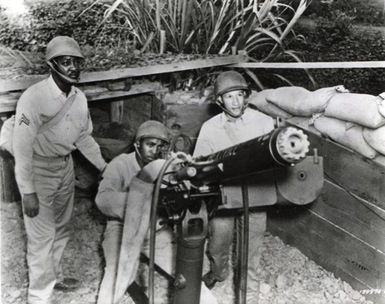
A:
111, 198
27, 123
89, 147
204, 144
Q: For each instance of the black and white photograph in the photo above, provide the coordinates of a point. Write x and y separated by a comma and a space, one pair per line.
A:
192, 151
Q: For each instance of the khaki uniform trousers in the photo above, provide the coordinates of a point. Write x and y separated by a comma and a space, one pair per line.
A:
220, 239
49, 232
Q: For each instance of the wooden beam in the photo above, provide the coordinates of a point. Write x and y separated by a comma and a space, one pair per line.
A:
162, 68
19, 84
8, 101
90, 77
353, 214
311, 65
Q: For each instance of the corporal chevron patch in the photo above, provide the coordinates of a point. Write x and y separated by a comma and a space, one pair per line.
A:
24, 119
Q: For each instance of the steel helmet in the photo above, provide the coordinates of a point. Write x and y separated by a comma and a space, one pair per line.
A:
230, 81
153, 129
62, 46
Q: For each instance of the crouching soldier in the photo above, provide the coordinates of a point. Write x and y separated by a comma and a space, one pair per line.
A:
129, 211
236, 124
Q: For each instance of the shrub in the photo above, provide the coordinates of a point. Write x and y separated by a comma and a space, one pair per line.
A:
360, 45
334, 29
79, 19
365, 12
209, 26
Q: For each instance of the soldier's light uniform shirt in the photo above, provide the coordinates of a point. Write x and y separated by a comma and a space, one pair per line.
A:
219, 132
112, 195
37, 105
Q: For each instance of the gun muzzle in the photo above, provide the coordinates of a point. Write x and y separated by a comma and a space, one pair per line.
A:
292, 145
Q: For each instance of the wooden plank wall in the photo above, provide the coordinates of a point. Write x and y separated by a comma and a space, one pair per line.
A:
344, 230
94, 93
114, 84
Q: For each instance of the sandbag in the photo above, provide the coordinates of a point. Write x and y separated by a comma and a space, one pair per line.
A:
258, 99
381, 103
350, 135
301, 102
361, 109
319, 99
290, 99
375, 138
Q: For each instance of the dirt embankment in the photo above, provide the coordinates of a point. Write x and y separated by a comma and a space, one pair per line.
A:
286, 275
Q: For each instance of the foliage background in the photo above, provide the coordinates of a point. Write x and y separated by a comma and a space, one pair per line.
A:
339, 30
330, 31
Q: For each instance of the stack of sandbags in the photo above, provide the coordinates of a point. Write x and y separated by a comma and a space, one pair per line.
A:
354, 120
345, 133
361, 109
362, 112
375, 138
286, 102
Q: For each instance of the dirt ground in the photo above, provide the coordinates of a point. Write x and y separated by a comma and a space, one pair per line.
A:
287, 276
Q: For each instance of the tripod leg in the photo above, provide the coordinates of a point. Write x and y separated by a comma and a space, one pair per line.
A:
191, 236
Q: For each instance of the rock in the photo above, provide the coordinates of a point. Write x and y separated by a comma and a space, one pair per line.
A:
281, 281
281, 301
342, 295
12, 225
14, 294
328, 296
355, 295
264, 288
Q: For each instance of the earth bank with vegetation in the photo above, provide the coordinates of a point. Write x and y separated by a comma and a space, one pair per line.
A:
334, 30
330, 31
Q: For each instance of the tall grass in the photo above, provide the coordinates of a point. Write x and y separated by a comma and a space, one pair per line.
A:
209, 26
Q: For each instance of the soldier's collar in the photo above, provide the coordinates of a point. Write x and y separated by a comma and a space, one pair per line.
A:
56, 92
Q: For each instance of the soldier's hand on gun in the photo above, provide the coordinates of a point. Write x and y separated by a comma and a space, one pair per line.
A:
31, 204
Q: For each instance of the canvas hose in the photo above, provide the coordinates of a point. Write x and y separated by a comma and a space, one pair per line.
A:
153, 221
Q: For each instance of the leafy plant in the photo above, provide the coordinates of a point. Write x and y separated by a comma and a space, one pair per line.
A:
208, 26
213, 27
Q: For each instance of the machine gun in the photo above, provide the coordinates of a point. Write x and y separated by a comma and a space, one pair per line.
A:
271, 169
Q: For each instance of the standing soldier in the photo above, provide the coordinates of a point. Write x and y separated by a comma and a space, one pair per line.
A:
44, 167
237, 123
